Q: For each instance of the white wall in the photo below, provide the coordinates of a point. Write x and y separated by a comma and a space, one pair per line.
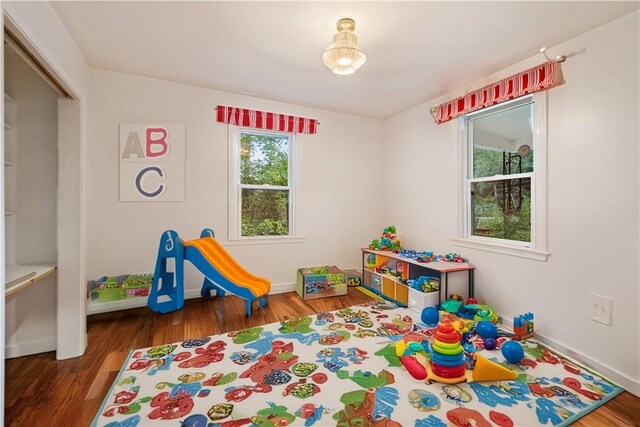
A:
31, 313
340, 181
593, 203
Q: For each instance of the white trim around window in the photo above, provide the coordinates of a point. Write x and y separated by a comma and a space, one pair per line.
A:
234, 235
537, 249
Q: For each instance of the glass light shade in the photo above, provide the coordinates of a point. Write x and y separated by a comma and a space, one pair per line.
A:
344, 56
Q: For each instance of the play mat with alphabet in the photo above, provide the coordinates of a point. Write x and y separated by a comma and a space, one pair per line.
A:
339, 368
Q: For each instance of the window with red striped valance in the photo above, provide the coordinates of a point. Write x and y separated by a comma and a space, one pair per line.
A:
544, 76
266, 120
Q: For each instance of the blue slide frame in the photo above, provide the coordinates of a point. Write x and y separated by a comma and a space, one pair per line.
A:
167, 290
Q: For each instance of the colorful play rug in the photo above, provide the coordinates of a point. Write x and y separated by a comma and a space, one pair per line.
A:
337, 368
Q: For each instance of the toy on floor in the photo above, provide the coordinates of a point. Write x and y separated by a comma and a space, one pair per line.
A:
354, 281
476, 312
414, 367
447, 364
408, 354
446, 358
486, 329
512, 351
430, 316
221, 273
484, 312
486, 370
451, 305
523, 326
462, 326
490, 343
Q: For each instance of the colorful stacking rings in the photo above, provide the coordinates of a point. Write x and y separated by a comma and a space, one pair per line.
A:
443, 362
446, 344
449, 337
447, 351
448, 372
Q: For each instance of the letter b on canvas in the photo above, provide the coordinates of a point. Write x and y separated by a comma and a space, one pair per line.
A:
152, 158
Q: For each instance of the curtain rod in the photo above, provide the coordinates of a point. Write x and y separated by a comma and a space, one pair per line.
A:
543, 51
559, 58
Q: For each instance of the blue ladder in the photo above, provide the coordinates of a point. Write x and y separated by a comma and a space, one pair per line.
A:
164, 287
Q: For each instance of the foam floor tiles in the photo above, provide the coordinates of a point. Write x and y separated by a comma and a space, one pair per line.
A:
338, 368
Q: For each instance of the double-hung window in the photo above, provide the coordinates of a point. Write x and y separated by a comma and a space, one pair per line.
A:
261, 184
503, 178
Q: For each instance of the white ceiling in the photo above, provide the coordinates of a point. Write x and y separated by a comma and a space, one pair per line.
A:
415, 50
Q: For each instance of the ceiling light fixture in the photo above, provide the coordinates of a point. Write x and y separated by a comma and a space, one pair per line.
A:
344, 56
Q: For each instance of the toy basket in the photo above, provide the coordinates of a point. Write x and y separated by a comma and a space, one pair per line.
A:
320, 282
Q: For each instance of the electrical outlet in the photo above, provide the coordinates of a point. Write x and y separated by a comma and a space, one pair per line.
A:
601, 308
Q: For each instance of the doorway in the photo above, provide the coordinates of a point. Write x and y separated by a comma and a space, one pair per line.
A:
30, 208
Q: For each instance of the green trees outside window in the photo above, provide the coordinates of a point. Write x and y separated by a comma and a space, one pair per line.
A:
264, 182
501, 174
493, 216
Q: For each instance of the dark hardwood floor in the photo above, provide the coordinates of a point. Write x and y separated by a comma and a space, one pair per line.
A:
41, 391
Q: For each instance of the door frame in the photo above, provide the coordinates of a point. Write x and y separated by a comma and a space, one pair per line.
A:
71, 290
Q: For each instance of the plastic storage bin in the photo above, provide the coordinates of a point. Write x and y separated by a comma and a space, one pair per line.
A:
419, 300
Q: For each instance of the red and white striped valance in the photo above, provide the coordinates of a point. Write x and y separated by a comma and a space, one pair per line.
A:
265, 120
544, 76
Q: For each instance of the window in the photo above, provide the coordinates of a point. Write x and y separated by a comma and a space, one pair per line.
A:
261, 184
503, 178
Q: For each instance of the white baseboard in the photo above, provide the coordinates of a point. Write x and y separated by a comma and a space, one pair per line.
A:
105, 307
30, 347
629, 384
281, 288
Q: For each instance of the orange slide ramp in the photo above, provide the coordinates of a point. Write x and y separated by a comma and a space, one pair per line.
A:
211, 258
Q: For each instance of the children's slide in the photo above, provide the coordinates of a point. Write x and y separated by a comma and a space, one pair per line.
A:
208, 256
222, 273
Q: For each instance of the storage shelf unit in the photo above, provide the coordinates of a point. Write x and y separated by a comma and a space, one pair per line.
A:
19, 276
394, 288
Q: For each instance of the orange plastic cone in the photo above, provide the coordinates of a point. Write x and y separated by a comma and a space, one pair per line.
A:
486, 370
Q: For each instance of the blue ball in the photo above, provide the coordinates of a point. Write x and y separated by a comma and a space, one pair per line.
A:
489, 343
512, 351
430, 316
486, 329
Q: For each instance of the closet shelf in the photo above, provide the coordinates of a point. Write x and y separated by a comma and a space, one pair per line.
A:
8, 163
8, 98
19, 276
7, 126
7, 213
